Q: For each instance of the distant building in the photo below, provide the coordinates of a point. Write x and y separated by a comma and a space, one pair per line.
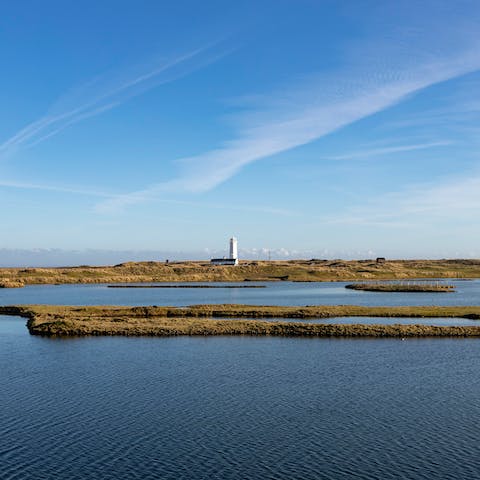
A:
381, 260
233, 258
224, 261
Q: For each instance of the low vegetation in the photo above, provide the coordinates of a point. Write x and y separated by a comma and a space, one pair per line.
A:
402, 287
314, 270
234, 320
11, 283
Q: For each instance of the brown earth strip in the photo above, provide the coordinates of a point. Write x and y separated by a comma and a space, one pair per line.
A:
186, 286
420, 287
200, 320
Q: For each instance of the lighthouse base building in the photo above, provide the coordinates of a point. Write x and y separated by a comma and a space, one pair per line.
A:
232, 259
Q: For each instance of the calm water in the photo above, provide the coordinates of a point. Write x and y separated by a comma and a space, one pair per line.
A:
276, 293
237, 408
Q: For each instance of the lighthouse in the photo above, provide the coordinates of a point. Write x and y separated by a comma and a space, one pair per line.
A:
232, 257
234, 250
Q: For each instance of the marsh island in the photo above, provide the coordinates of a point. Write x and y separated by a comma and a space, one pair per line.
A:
236, 320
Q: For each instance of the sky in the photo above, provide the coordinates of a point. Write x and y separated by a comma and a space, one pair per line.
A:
306, 128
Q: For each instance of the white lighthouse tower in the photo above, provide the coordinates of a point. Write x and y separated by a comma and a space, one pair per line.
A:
234, 250
232, 258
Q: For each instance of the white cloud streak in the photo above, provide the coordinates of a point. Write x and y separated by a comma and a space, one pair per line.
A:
300, 121
55, 188
107, 92
459, 198
419, 205
75, 190
389, 150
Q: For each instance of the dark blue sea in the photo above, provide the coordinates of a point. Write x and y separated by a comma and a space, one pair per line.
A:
236, 407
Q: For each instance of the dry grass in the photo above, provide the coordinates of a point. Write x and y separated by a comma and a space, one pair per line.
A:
402, 287
9, 283
294, 270
203, 320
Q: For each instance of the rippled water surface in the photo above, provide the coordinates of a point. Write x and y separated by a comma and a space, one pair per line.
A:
275, 293
237, 408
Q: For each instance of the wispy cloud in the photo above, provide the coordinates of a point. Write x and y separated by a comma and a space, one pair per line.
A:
108, 91
55, 188
76, 190
235, 207
375, 152
447, 200
299, 116
457, 198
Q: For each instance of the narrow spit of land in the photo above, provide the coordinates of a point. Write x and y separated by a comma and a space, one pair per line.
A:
235, 320
403, 287
314, 270
186, 286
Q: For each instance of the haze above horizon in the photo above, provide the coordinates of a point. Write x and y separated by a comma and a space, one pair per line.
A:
306, 129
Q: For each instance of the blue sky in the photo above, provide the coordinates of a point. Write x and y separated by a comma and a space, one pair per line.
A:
305, 128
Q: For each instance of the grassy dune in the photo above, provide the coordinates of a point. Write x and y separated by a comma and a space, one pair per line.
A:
294, 270
204, 320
